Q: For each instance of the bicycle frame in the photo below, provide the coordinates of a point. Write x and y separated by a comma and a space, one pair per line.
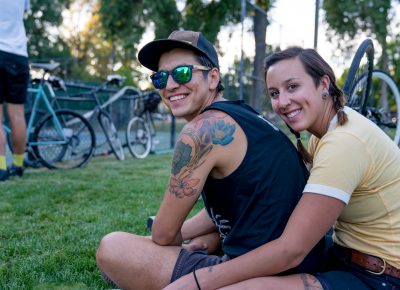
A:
39, 96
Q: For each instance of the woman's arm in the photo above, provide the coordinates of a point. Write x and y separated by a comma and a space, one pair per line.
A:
311, 219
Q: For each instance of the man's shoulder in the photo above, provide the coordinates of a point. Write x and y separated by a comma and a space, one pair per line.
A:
210, 115
211, 125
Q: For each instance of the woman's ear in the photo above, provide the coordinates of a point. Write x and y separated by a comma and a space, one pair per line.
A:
325, 83
213, 78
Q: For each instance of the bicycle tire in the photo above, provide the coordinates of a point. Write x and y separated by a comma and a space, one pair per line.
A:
57, 153
362, 64
138, 137
150, 122
111, 134
383, 111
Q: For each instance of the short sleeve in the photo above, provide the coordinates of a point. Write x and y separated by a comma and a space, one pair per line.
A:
340, 162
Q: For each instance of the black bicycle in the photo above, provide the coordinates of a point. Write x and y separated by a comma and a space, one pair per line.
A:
373, 92
141, 130
99, 111
361, 66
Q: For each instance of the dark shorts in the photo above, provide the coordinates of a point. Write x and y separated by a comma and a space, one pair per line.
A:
14, 78
188, 261
341, 274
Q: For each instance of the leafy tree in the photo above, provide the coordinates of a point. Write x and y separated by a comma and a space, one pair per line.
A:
350, 18
165, 16
124, 24
394, 58
41, 23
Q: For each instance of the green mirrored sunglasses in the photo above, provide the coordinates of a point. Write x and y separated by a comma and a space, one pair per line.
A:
181, 74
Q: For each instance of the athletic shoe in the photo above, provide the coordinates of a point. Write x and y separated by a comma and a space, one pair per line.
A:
4, 175
16, 170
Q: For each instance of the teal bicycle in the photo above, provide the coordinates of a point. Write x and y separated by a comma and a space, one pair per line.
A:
58, 139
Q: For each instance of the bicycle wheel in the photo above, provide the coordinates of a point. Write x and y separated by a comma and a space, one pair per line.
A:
138, 137
111, 135
362, 64
71, 147
383, 104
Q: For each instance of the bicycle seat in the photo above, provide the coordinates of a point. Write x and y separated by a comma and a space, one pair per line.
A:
57, 83
45, 66
115, 79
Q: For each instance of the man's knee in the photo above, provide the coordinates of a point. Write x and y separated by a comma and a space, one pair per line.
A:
108, 248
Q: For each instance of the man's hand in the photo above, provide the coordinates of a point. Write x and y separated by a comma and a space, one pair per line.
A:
195, 246
209, 242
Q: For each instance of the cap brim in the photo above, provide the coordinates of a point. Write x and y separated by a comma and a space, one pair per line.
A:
150, 54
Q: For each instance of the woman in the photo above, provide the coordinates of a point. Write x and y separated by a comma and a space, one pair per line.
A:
354, 186
351, 160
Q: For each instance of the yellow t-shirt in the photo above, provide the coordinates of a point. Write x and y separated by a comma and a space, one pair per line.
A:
358, 164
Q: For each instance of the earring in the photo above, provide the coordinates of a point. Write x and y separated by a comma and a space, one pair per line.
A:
325, 95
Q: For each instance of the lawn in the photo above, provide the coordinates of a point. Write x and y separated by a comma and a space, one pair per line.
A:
51, 221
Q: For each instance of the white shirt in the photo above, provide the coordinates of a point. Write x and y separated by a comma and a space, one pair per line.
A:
12, 31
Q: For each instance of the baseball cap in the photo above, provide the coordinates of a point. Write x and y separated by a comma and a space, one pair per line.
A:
150, 54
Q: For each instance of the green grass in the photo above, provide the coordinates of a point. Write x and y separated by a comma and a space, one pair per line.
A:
51, 221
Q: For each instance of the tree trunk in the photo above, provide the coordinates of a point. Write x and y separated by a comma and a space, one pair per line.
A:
258, 86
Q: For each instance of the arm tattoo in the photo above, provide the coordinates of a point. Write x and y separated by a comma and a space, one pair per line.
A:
210, 130
310, 282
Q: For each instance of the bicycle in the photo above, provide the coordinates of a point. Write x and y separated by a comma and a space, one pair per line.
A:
361, 65
373, 93
141, 130
103, 117
382, 105
55, 139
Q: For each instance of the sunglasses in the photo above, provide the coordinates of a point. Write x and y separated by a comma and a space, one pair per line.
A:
181, 74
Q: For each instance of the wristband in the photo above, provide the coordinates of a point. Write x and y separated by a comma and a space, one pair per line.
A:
195, 279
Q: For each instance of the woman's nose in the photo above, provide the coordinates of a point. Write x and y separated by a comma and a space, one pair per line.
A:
284, 100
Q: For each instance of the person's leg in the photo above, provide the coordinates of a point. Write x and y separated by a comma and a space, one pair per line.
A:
136, 262
16, 115
3, 163
333, 280
16, 79
2, 134
291, 282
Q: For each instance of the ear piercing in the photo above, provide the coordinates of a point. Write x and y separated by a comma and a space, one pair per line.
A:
325, 95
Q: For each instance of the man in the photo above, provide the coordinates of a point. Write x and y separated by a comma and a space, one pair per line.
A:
227, 152
14, 77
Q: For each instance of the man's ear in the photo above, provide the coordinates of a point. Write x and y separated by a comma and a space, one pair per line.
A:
213, 78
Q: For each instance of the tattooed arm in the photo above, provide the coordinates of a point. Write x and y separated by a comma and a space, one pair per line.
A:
198, 152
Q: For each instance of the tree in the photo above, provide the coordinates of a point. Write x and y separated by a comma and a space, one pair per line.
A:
350, 18
41, 23
260, 23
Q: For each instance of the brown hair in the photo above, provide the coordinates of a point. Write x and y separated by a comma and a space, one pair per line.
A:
316, 67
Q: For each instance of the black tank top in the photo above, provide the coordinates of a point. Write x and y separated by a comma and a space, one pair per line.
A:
252, 205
